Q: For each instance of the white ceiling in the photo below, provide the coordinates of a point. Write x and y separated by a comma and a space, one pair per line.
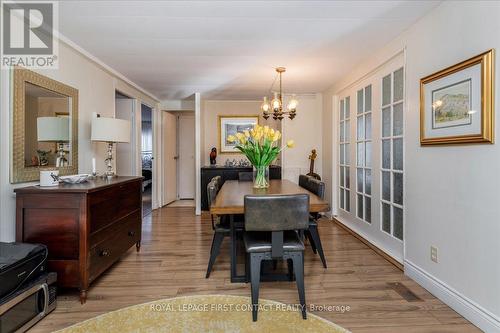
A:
228, 49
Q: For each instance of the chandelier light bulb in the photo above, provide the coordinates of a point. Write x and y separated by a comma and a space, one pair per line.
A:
276, 103
265, 107
292, 104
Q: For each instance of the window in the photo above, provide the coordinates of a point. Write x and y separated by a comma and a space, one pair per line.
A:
392, 154
364, 154
344, 162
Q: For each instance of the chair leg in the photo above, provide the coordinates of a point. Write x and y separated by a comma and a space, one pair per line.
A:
255, 262
289, 265
298, 267
313, 231
311, 240
214, 251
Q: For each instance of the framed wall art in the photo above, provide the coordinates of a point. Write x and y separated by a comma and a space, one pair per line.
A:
230, 125
456, 103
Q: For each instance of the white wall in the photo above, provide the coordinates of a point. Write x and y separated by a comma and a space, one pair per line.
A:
210, 111
457, 211
306, 131
96, 88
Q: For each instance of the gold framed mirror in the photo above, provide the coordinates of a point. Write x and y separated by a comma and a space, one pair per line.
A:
45, 126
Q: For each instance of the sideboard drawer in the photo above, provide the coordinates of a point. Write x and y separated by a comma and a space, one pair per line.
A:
128, 227
106, 252
130, 197
109, 205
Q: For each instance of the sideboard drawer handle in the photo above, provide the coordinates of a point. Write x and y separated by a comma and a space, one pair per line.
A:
104, 253
131, 233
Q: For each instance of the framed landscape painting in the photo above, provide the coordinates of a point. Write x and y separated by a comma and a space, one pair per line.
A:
456, 104
230, 125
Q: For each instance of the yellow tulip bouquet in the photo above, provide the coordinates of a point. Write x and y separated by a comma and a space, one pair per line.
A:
261, 146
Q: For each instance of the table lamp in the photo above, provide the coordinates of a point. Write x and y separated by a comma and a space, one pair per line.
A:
54, 129
110, 130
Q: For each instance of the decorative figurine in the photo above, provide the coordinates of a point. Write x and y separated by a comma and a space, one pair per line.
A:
312, 157
213, 156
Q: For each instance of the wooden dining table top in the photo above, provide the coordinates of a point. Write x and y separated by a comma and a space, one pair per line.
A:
230, 199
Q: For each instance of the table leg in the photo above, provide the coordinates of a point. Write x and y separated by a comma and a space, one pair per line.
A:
234, 253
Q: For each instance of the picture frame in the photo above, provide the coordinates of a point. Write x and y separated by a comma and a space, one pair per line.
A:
230, 125
457, 103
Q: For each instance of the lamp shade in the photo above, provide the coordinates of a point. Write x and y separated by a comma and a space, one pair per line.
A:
110, 130
52, 128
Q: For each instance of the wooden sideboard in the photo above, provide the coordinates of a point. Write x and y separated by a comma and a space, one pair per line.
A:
228, 173
87, 227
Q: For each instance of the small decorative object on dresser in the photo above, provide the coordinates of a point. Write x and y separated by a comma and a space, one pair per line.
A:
86, 227
75, 179
49, 178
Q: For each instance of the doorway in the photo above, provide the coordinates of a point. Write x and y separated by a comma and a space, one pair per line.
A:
147, 158
178, 140
185, 156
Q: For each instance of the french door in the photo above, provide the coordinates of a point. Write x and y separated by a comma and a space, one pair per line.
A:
370, 168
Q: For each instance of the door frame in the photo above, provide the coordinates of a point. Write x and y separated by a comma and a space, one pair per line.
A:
180, 114
163, 163
133, 130
154, 153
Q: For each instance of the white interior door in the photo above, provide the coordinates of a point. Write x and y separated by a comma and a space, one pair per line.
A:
169, 144
186, 162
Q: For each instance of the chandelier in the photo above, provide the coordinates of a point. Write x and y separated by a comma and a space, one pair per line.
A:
275, 108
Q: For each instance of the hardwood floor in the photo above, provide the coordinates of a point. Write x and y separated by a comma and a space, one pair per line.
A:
173, 261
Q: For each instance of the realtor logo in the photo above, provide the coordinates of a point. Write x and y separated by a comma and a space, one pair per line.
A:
28, 34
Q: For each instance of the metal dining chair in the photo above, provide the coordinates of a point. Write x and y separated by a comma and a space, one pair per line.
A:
271, 224
221, 229
317, 187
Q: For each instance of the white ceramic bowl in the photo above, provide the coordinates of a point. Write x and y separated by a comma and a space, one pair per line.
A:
74, 179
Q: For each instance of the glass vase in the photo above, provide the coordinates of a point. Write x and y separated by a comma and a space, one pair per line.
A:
261, 176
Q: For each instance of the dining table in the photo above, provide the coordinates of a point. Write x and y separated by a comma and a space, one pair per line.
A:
230, 202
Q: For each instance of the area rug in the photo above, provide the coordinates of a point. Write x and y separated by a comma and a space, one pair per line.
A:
209, 313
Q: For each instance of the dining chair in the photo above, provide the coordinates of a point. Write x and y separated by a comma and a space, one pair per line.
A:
220, 228
218, 182
271, 225
245, 176
317, 187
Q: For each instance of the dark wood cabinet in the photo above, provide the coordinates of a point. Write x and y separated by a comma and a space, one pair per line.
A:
87, 227
228, 173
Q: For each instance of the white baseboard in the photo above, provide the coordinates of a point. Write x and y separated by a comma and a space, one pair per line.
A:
473, 312
397, 257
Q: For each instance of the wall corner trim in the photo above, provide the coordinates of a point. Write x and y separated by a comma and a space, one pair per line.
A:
473, 312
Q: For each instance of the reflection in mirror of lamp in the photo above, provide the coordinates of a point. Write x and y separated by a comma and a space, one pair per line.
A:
47, 127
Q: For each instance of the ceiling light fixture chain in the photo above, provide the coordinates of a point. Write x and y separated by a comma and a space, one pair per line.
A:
275, 107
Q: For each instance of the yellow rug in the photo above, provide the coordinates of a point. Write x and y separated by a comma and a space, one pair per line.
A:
212, 313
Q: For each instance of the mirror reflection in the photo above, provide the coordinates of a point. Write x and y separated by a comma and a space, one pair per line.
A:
47, 128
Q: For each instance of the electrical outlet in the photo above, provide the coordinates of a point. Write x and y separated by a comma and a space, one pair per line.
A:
434, 254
